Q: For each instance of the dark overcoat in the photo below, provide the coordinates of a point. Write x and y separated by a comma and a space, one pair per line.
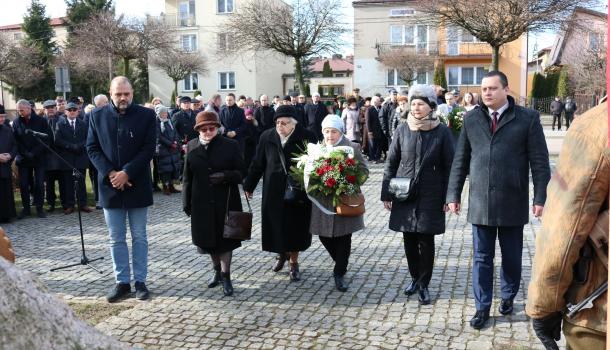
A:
207, 203
425, 213
184, 122
31, 153
70, 144
499, 166
123, 142
334, 225
53, 162
168, 158
264, 116
373, 125
315, 114
7, 145
285, 227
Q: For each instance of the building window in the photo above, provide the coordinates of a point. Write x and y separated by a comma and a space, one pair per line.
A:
339, 75
409, 35
225, 6
17, 36
396, 35
186, 13
394, 78
401, 12
227, 80
191, 82
422, 77
466, 37
189, 42
594, 42
465, 76
223, 42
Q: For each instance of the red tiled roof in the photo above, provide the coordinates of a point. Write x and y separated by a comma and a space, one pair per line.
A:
59, 21
336, 64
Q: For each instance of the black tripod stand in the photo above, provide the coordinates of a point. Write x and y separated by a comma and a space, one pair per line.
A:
76, 175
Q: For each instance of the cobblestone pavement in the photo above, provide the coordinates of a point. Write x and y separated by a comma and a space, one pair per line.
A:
267, 311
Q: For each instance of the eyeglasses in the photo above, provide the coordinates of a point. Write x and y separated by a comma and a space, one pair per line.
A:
72, 109
208, 129
282, 123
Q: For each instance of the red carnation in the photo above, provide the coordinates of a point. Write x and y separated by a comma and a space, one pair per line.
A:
351, 179
320, 171
340, 167
330, 182
350, 162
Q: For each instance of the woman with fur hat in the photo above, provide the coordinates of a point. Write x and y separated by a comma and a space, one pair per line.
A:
168, 153
212, 172
422, 150
335, 231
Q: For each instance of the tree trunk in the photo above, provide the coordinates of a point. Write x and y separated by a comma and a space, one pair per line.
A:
495, 56
298, 74
92, 91
175, 88
126, 67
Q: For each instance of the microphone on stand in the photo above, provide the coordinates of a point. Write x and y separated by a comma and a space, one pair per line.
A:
36, 133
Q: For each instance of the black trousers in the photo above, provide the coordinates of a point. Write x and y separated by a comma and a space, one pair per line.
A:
93, 178
51, 177
155, 172
557, 118
25, 174
569, 117
419, 249
69, 189
339, 249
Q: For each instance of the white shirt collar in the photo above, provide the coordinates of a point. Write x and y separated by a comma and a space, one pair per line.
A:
500, 110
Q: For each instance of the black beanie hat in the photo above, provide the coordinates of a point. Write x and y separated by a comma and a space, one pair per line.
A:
284, 111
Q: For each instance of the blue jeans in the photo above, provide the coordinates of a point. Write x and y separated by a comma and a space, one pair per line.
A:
484, 244
116, 220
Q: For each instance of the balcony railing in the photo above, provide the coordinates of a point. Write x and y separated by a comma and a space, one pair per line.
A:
439, 48
178, 19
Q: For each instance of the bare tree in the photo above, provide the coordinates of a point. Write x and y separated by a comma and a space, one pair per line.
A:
177, 64
407, 62
122, 38
501, 21
92, 69
588, 74
309, 27
18, 68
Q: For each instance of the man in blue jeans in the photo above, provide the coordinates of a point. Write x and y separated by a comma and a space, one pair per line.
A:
499, 144
121, 143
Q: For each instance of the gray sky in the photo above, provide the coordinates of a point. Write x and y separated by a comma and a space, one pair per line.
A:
57, 8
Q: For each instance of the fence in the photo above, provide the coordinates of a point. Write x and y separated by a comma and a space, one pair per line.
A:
584, 102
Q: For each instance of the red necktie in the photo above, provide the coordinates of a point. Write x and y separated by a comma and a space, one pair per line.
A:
494, 122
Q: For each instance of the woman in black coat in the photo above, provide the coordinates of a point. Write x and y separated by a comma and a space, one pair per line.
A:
285, 224
422, 143
212, 172
8, 152
168, 152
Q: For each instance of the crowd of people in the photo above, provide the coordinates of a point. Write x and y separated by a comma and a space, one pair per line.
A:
214, 147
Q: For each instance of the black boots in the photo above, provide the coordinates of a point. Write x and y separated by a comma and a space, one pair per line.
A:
295, 275
118, 292
215, 280
227, 286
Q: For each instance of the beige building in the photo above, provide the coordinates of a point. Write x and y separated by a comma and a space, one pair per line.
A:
14, 32
199, 25
382, 25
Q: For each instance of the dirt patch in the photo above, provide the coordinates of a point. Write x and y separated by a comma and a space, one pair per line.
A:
94, 312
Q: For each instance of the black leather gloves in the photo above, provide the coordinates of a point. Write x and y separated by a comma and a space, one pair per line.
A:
548, 330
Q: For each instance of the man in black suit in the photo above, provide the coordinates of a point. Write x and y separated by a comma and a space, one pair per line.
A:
70, 139
375, 133
53, 170
184, 120
498, 145
315, 113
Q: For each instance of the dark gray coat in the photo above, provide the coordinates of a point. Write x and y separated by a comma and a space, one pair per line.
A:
335, 225
168, 158
425, 213
499, 166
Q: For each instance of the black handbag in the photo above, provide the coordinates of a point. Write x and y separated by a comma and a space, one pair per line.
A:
405, 188
293, 192
238, 224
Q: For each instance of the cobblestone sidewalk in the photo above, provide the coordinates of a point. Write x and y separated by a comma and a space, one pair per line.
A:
267, 311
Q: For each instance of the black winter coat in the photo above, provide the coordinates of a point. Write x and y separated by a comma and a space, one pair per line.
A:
499, 166
70, 144
425, 213
207, 203
31, 153
315, 114
184, 122
372, 122
556, 107
168, 158
123, 142
300, 114
387, 111
264, 117
7, 145
234, 119
53, 162
285, 227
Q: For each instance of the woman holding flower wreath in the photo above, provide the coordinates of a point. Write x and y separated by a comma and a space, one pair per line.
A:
335, 231
415, 184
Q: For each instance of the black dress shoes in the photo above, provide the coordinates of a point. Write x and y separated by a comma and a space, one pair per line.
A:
295, 275
340, 283
412, 288
215, 280
424, 296
479, 319
279, 264
506, 307
227, 286
118, 292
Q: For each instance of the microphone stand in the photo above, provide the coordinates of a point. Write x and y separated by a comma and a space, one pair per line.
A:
84, 260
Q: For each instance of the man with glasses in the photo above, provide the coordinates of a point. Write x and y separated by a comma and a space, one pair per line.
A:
70, 139
53, 171
121, 143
